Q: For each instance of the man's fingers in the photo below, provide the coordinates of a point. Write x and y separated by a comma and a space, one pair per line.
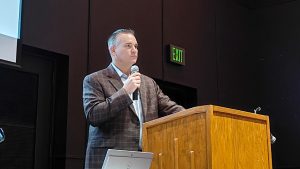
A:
133, 82
135, 74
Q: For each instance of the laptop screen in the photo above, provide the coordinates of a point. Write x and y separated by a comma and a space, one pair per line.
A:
122, 159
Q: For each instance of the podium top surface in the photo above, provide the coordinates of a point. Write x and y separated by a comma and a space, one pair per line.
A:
210, 110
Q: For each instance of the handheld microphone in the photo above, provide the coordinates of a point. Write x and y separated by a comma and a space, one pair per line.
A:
135, 69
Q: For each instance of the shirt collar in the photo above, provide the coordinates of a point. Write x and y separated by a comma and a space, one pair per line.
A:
119, 72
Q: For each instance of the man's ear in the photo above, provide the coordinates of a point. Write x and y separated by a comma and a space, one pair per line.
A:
112, 50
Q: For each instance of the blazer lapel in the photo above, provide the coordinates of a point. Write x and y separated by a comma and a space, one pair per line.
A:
143, 97
116, 81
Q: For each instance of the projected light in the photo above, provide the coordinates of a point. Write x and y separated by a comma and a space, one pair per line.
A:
10, 23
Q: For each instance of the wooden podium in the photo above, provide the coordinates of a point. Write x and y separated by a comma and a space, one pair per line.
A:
209, 137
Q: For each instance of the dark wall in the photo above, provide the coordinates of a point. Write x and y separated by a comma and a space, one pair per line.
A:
236, 62
62, 27
215, 36
192, 26
221, 39
278, 41
145, 17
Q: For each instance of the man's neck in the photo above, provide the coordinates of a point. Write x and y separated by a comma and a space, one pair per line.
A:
124, 69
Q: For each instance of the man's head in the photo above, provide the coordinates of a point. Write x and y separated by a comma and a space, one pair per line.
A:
122, 47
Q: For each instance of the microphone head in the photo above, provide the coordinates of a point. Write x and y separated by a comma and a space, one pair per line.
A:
273, 139
134, 69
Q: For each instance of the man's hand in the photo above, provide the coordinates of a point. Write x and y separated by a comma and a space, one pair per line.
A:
132, 83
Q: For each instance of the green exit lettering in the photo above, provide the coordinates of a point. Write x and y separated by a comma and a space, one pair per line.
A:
177, 55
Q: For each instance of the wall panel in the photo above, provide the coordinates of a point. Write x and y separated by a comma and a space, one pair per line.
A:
62, 27
192, 26
237, 64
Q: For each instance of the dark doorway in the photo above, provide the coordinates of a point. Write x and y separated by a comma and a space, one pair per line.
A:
183, 95
33, 110
18, 103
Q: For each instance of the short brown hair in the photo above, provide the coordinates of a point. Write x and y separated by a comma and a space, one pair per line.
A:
112, 38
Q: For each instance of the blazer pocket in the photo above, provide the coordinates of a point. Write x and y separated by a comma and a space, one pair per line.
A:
102, 142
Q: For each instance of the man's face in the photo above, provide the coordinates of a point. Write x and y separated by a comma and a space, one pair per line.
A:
125, 51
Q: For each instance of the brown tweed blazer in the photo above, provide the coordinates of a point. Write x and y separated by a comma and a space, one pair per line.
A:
110, 113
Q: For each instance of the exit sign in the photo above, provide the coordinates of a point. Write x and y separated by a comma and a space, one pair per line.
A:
177, 55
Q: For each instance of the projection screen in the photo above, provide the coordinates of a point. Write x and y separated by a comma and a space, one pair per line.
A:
10, 25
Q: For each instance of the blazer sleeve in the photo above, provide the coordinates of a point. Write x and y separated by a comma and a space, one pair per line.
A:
97, 107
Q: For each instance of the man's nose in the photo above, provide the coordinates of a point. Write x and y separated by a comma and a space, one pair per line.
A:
134, 49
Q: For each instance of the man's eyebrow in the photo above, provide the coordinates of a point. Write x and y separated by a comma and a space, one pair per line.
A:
130, 43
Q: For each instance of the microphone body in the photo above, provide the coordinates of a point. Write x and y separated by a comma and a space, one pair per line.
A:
135, 94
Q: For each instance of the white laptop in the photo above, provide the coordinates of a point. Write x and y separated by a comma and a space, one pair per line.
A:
122, 159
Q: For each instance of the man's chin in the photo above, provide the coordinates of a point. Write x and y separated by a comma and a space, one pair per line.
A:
134, 62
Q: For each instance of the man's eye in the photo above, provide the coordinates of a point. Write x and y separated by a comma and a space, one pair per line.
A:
131, 46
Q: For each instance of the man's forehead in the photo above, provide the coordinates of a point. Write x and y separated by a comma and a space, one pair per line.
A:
126, 40
124, 36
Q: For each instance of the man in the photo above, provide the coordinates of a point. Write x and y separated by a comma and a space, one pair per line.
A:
114, 118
